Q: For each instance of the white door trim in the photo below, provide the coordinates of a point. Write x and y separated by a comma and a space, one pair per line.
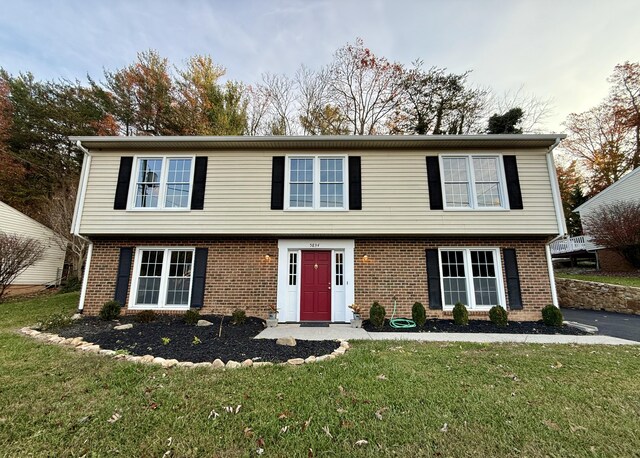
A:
338, 313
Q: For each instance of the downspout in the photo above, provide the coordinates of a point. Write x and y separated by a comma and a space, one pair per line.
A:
562, 225
77, 216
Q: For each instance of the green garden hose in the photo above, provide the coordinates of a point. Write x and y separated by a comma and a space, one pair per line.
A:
400, 323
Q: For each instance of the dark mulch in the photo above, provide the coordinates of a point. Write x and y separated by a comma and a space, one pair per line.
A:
476, 326
235, 343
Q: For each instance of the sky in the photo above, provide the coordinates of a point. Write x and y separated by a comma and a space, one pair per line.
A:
562, 50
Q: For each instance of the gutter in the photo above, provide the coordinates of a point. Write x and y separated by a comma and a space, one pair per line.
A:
562, 224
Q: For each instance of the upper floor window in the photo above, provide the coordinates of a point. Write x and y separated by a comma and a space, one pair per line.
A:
473, 182
163, 182
316, 182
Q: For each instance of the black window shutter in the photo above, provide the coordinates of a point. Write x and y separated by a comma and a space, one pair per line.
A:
513, 278
199, 277
355, 183
433, 280
124, 272
433, 181
513, 182
277, 183
199, 183
122, 187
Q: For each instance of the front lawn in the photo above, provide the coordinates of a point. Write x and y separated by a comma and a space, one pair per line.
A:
406, 399
613, 280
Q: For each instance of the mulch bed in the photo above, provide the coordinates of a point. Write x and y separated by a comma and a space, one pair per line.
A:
477, 326
235, 343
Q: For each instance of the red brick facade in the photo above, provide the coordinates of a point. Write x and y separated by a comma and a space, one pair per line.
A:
239, 275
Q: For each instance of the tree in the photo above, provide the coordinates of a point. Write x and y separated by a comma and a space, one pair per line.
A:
617, 227
598, 139
535, 110
318, 116
625, 98
364, 88
570, 182
16, 255
506, 123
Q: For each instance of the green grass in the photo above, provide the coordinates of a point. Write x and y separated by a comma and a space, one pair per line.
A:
624, 281
497, 400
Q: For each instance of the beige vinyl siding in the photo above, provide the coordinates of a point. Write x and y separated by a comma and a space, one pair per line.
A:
46, 269
394, 199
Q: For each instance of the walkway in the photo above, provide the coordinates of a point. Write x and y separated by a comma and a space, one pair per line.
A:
345, 331
608, 323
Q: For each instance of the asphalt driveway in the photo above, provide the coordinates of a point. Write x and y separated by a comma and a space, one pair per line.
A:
609, 324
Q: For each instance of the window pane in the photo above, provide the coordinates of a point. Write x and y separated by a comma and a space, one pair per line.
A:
149, 277
455, 169
331, 183
179, 281
485, 283
457, 194
339, 269
487, 184
456, 181
148, 183
178, 183
148, 291
488, 195
149, 170
301, 183
293, 268
453, 273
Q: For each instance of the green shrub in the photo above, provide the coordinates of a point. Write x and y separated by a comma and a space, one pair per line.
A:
498, 316
55, 321
110, 310
460, 314
377, 314
72, 284
191, 317
146, 316
239, 316
418, 314
552, 316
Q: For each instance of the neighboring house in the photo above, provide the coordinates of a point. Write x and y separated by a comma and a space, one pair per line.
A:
48, 270
626, 189
313, 224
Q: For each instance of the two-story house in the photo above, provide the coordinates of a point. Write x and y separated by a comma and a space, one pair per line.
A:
313, 224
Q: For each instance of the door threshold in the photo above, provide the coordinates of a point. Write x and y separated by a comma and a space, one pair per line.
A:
315, 324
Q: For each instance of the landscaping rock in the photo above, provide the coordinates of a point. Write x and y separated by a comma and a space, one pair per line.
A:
287, 341
107, 352
233, 365
77, 341
185, 364
170, 363
296, 361
202, 365
204, 323
147, 359
319, 359
76, 316
310, 359
159, 360
339, 351
345, 344
217, 364
262, 364
247, 363
122, 327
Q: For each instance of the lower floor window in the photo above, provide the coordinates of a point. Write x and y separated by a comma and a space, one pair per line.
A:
472, 277
163, 277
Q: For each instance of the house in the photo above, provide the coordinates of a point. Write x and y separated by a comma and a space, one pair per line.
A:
626, 189
44, 272
314, 224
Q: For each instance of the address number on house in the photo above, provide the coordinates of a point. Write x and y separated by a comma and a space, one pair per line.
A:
314, 245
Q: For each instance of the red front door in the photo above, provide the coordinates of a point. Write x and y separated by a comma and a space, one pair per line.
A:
315, 294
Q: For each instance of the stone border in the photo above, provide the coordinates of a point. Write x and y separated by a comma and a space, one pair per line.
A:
78, 343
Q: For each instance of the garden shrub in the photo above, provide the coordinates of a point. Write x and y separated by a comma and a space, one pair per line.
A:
460, 314
72, 284
377, 314
552, 316
418, 314
239, 316
498, 316
55, 321
146, 316
191, 317
110, 310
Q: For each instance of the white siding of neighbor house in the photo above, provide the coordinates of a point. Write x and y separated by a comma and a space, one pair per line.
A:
395, 200
626, 189
50, 265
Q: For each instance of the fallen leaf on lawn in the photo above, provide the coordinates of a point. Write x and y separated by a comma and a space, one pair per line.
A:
551, 425
115, 417
259, 451
340, 410
306, 424
248, 432
238, 408
577, 428
260, 442
284, 429
346, 424
280, 396
326, 431
343, 392
310, 453
213, 414
228, 409
284, 415
169, 441
153, 406
166, 454
557, 365
381, 377
444, 428
380, 412
362, 442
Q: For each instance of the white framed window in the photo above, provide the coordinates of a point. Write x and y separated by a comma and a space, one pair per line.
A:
162, 278
473, 182
316, 183
472, 276
162, 183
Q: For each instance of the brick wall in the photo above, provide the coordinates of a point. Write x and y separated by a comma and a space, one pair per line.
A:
239, 276
397, 267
